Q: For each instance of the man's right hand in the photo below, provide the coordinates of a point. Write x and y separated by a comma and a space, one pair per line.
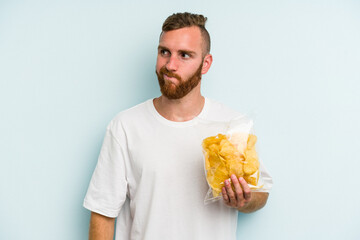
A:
101, 227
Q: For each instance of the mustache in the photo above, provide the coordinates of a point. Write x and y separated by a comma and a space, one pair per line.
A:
165, 71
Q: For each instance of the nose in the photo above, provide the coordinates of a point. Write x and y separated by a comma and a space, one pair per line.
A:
172, 63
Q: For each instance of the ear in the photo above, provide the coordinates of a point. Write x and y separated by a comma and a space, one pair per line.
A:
206, 63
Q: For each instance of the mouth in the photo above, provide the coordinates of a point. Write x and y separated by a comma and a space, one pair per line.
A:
171, 79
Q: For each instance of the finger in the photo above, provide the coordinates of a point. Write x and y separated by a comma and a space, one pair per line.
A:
230, 193
246, 189
238, 190
225, 196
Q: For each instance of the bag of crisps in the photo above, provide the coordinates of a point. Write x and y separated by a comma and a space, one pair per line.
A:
232, 151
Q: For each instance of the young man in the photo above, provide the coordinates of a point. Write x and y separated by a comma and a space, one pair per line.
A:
150, 169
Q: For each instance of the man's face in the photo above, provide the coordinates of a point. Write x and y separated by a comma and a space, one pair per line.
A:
179, 63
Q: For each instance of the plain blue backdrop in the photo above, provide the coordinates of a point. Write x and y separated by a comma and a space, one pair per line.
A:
67, 68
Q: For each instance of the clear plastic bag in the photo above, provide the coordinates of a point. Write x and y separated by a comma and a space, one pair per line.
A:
229, 148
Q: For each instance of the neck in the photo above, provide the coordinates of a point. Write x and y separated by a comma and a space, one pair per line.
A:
183, 109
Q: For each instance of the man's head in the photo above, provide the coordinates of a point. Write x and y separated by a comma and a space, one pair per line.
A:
183, 54
183, 20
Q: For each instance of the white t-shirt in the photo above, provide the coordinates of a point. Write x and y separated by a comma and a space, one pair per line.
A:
150, 175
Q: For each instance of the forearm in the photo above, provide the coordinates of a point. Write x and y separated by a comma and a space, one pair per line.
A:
101, 227
258, 200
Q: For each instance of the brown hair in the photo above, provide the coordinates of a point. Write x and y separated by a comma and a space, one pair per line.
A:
181, 20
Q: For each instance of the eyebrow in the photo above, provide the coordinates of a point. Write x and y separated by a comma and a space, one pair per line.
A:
180, 51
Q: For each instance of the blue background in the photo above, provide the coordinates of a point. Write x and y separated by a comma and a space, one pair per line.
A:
67, 68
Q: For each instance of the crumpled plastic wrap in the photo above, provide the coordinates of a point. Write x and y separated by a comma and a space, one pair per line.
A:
232, 151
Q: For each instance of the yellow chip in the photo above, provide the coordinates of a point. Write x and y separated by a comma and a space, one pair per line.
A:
222, 159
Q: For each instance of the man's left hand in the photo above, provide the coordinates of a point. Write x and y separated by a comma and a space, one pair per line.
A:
242, 195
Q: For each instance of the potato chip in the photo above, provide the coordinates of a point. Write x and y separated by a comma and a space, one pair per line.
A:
251, 164
252, 179
224, 158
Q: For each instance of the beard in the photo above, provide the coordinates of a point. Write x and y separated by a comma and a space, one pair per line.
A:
184, 87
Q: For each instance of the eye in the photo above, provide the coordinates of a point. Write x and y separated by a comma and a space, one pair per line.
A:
185, 55
164, 52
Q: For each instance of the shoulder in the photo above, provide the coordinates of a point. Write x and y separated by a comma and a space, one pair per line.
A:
219, 112
129, 115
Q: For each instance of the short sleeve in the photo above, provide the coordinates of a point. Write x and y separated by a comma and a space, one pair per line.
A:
108, 186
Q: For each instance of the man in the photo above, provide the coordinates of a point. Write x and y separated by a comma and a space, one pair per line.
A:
150, 163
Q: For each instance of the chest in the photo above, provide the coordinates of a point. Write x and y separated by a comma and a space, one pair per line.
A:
165, 154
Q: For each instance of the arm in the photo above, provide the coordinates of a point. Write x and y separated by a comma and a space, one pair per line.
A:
258, 200
101, 227
243, 199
